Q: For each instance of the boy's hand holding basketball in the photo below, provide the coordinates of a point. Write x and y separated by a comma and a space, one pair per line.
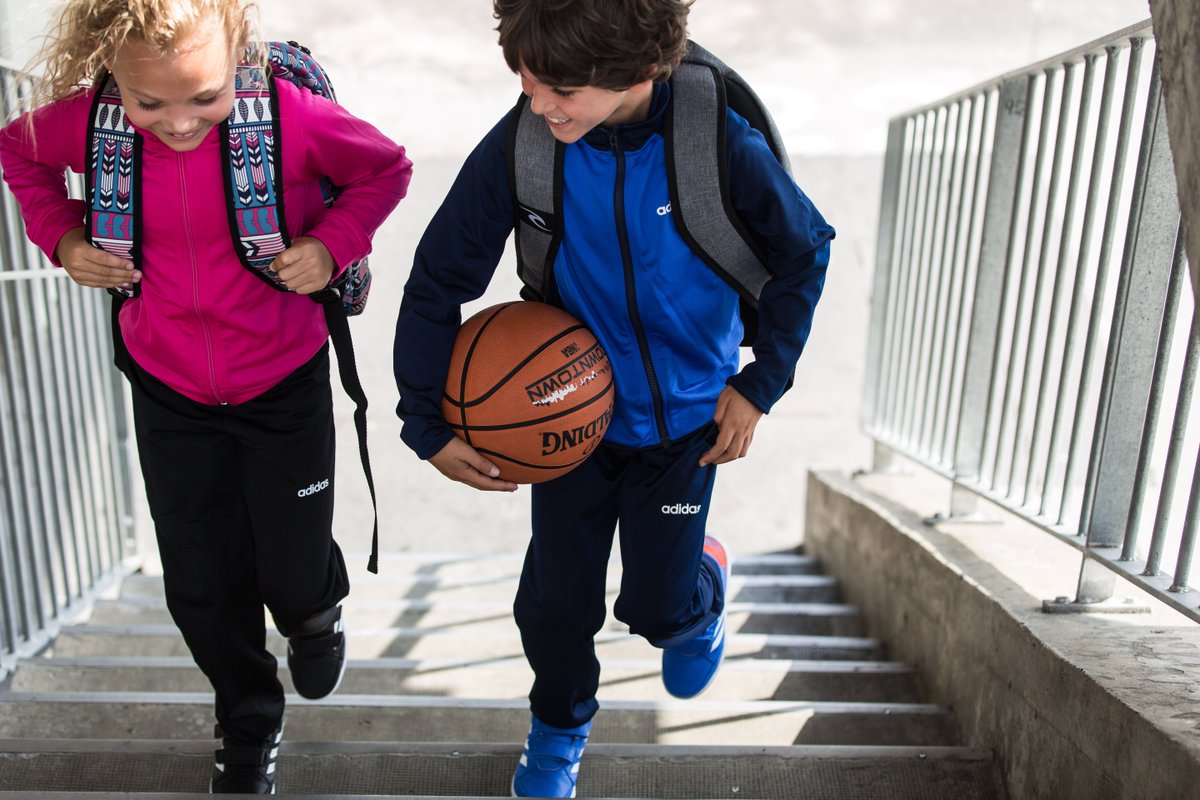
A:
460, 462
306, 266
91, 266
736, 418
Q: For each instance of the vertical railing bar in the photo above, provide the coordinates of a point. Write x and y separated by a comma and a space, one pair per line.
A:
1081, 269
35, 377
98, 366
1111, 214
927, 344
45, 290
1187, 541
923, 334
1044, 275
1158, 380
919, 277
1183, 405
12, 586
24, 592
991, 274
1023, 278
954, 387
939, 300
952, 265
67, 501
109, 450
1122, 291
889, 210
1058, 285
904, 273
84, 533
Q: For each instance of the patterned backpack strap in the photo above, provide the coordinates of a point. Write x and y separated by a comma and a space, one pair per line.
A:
250, 139
113, 222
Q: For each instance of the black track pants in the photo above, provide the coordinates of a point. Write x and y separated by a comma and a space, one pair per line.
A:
659, 499
242, 501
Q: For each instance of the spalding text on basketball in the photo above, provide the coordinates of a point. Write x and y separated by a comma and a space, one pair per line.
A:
552, 388
557, 441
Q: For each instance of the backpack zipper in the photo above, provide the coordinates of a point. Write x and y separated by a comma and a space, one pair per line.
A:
631, 290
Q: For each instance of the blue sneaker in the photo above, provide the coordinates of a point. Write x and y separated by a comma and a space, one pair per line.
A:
688, 668
549, 766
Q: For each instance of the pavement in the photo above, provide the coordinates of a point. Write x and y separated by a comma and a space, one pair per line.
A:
431, 76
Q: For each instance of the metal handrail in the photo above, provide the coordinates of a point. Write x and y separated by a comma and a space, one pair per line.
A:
1023, 343
66, 520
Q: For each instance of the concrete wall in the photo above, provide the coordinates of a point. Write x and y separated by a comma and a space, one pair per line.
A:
1077, 707
1177, 31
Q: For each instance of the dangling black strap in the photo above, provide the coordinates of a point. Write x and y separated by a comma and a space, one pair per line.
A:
343, 346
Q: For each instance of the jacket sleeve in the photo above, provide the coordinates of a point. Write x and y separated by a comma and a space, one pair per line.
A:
35, 158
371, 171
454, 263
797, 238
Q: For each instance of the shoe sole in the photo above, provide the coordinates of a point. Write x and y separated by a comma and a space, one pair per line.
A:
512, 788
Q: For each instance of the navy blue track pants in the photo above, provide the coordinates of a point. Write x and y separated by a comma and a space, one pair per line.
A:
658, 498
242, 501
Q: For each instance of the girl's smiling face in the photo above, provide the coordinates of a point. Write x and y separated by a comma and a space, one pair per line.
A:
181, 95
573, 111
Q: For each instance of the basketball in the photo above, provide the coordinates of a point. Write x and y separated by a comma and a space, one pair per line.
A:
530, 388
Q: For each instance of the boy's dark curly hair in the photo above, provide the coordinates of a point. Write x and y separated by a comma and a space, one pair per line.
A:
609, 44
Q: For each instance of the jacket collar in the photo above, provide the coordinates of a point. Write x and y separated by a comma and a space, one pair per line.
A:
632, 135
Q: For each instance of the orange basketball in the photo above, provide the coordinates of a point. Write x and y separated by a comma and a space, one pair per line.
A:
530, 388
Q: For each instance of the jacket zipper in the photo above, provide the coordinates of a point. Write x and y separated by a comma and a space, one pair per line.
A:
631, 291
190, 249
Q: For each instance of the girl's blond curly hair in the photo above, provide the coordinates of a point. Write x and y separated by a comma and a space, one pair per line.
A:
88, 34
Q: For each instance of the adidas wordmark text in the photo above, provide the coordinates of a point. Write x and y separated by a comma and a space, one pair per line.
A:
313, 488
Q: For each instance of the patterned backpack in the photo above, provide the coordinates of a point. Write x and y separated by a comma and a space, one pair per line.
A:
253, 173
250, 141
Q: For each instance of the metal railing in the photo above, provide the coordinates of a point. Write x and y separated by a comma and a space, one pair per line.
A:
66, 525
1032, 335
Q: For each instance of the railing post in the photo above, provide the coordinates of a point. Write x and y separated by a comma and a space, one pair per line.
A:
1137, 319
889, 207
991, 272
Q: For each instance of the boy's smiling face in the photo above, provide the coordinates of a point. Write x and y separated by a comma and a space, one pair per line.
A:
573, 111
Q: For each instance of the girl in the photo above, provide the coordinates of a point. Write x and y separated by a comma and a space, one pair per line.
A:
229, 375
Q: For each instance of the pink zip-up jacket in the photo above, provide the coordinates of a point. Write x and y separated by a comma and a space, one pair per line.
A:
203, 324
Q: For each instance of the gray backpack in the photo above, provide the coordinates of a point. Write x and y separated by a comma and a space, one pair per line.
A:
702, 88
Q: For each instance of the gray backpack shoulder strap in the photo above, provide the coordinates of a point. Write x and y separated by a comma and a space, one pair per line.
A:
696, 169
535, 164
696, 174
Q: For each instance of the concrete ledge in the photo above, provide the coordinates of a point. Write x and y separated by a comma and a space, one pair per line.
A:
1076, 707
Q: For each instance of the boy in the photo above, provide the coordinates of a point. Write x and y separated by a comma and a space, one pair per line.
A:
595, 72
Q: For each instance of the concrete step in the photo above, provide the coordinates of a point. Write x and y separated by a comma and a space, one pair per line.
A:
353, 718
509, 677
459, 563
816, 619
501, 586
422, 643
482, 770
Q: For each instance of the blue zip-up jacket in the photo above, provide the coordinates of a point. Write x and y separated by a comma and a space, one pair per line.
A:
669, 324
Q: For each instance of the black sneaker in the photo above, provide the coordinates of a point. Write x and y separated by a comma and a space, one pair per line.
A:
317, 661
245, 768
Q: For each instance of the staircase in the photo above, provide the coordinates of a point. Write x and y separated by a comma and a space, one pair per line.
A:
434, 701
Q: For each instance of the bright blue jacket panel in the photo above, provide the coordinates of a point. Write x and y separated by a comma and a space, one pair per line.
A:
669, 323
